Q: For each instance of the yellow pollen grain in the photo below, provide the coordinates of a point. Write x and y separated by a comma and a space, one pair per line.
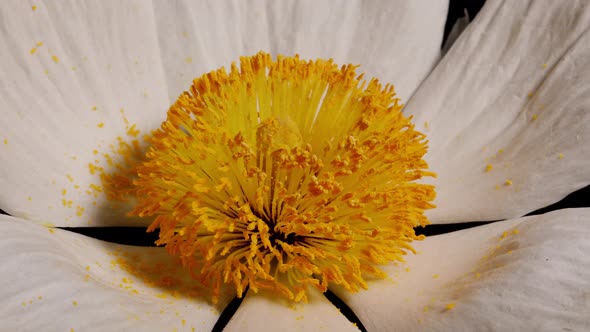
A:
75, 303
477, 275
183, 322
435, 276
279, 174
450, 306
516, 231
33, 7
188, 60
6, 141
33, 50
55, 58
560, 156
508, 182
51, 230
132, 131
79, 210
94, 108
544, 66
489, 168
100, 124
530, 95
425, 308
29, 198
534, 117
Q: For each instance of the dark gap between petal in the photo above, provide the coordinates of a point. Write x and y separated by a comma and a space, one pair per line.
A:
228, 312
437, 229
345, 310
457, 10
133, 236
577, 199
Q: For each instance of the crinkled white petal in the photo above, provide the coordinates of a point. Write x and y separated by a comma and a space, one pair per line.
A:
54, 280
507, 111
266, 312
528, 274
76, 75
396, 41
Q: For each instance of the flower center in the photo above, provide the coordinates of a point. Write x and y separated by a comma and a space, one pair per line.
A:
283, 175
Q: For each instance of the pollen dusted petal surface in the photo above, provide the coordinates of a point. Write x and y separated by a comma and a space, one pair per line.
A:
507, 111
80, 78
527, 274
54, 280
265, 312
396, 41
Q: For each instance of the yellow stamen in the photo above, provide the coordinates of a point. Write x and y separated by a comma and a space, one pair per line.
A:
282, 175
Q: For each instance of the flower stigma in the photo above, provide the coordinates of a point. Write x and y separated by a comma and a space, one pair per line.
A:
283, 175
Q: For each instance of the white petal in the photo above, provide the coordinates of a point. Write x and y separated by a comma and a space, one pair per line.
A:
511, 93
395, 41
264, 312
528, 274
54, 280
102, 55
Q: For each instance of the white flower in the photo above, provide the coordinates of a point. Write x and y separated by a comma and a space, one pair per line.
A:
506, 111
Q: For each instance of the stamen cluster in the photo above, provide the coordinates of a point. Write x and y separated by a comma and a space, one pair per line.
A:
285, 175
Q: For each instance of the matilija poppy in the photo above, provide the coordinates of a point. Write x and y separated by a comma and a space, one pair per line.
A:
506, 115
